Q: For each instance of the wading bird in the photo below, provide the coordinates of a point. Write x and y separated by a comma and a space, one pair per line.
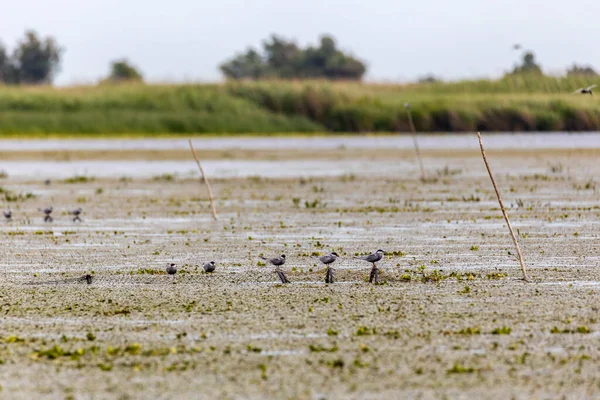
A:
373, 258
8, 215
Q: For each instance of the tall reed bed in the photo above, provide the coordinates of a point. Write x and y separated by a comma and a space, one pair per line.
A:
521, 103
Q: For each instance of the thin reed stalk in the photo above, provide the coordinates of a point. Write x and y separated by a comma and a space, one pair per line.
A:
416, 143
210, 194
510, 229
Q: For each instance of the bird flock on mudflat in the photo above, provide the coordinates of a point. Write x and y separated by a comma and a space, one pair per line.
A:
47, 212
278, 262
327, 260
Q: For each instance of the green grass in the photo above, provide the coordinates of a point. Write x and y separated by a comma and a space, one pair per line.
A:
136, 109
524, 103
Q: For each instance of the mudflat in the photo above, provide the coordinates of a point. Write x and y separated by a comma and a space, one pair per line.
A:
450, 317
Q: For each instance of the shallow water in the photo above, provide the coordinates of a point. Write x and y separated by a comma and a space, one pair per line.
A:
213, 168
435, 141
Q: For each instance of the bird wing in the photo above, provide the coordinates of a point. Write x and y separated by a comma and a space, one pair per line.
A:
590, 87
277, 261
578, 90
372, 257
327, 259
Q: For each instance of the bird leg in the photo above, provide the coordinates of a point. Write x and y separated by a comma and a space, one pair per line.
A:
282, 277
76, 219
47, 218
374, 277
329, 276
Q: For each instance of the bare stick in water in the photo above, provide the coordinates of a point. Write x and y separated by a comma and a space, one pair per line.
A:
414, 135
510, 229
210, 195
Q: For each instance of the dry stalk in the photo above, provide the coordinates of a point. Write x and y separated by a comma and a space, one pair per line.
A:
510, 229
210, 195
414, 135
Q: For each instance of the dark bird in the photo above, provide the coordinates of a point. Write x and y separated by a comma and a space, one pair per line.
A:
328, 260
209, 267
517, 46
171, 269
76, 213
87, 278
47, 182
8, 215
47, 212
587, 90
278, 262
373, 258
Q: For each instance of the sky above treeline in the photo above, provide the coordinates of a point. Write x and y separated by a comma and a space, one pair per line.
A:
186, 40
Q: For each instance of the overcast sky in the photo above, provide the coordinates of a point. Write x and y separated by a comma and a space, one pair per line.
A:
400, 40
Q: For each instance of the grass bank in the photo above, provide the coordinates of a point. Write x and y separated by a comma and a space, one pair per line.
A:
512, 104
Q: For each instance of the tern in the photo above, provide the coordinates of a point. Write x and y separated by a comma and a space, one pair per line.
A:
373, 258
278, 262
209, 267
77, 212
587, 90
171, 269
328, 260
47, 211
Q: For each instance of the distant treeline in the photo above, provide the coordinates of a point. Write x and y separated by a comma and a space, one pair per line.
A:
35, 60
514, 103
283, 59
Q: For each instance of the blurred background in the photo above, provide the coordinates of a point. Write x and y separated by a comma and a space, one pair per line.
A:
146, 67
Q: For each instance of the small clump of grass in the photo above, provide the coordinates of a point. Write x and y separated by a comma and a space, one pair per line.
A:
496, 275
79, 179
580, 329
365, 331
253, 349
434, 276
164, 178
318, 348
469, 331
317, 203
148, 271
504, 330
458, 368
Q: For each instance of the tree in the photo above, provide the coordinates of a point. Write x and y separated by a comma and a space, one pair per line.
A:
121, 70
583, 71
5, 66
36, 60
528, 65
248, 65
328, 62
284, 59
429, 78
